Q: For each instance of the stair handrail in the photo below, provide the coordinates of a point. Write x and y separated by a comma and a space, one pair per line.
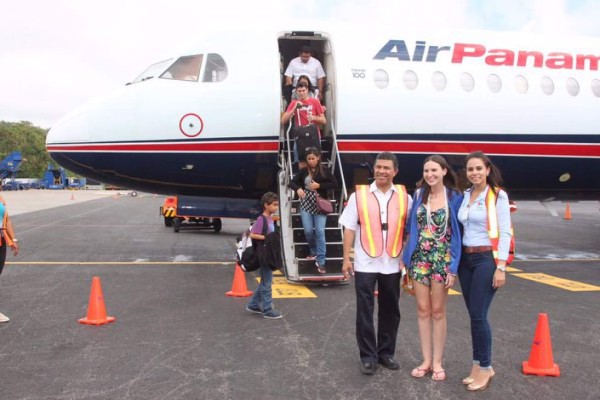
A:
335, 158
289, 151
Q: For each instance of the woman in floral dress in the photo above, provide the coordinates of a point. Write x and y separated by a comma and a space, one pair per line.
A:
432, 256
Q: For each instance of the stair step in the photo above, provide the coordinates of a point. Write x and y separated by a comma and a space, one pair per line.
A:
308, 267
332, 221
331, 250
331, 235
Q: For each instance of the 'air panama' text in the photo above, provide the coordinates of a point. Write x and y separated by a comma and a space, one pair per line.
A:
494, 57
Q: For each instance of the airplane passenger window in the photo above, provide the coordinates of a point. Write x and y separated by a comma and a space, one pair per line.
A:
381, 79
494, 83
439, 80
186, 68
216, 68
410, 79
596, 87
521, 84
153, 70
467, 82
572, 86
547, 85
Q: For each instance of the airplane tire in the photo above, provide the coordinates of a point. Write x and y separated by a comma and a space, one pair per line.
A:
217, 224
176, 224
168, 221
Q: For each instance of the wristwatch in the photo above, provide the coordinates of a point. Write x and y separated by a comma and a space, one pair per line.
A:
502, 268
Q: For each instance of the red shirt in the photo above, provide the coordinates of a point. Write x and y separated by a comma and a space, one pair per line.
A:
311, 106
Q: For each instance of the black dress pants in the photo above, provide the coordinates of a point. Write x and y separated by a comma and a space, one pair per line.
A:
373, 347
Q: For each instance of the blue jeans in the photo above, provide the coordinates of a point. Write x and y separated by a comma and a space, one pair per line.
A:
263, 296
476, 272
314, 230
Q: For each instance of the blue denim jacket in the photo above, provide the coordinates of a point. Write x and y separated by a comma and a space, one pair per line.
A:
454, 201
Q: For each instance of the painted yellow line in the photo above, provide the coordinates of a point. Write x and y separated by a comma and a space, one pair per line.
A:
566, 284
453, 292
512, 269
283, 290
122, 263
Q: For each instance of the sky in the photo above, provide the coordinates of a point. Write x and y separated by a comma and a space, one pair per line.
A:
57, 55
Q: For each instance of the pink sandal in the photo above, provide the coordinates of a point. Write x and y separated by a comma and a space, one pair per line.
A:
420, 372
439, 375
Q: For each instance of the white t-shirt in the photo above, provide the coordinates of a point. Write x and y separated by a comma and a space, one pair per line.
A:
383, 264
312, 69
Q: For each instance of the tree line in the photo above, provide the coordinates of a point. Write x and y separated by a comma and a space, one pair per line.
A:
30, 140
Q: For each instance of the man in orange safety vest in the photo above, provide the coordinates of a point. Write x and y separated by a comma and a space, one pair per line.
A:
374, 220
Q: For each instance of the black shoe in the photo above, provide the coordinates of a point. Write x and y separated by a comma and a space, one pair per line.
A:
368, 368
389, 363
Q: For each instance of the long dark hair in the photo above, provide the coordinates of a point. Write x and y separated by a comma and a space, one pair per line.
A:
319, 167
311, 88
450, 179
494, 179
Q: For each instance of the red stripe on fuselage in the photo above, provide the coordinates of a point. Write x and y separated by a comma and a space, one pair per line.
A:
591, 150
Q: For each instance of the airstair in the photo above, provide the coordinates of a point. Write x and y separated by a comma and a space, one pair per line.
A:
295, 249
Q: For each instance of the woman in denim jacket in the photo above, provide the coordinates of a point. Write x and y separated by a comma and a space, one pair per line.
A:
432, 256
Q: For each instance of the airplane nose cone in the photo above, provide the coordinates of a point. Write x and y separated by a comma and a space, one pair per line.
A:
72, 128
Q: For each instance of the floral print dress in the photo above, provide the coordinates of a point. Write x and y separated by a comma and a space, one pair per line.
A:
431, 259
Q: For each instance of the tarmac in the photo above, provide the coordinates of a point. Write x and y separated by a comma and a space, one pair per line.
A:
177, 336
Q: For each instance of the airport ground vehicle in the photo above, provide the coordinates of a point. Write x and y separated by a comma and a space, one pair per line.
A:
9, 167
55, 177
183, 218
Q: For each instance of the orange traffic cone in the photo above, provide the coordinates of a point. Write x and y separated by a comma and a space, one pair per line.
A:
541, 361
239, 288
72, 196
96, 314
568, 212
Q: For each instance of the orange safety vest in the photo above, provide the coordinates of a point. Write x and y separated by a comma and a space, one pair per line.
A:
8, 240
369, 218
492, 226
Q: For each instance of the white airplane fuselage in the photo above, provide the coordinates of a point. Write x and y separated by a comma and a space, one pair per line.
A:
532, 105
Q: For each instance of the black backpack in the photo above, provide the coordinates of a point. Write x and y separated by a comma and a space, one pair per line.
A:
248, 249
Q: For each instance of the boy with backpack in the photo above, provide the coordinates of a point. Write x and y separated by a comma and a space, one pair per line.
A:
261, 301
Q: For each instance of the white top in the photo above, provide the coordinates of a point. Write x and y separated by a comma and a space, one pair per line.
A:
474, 220
312, 69
383, 264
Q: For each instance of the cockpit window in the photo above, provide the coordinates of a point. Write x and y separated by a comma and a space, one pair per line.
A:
216, 68
153, 70
186, 68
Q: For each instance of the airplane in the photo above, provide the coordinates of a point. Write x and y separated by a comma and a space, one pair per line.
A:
205, 124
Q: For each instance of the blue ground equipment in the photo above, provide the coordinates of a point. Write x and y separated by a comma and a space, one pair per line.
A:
55, 178
9, 168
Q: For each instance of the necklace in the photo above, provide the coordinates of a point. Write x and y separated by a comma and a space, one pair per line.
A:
442, 228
